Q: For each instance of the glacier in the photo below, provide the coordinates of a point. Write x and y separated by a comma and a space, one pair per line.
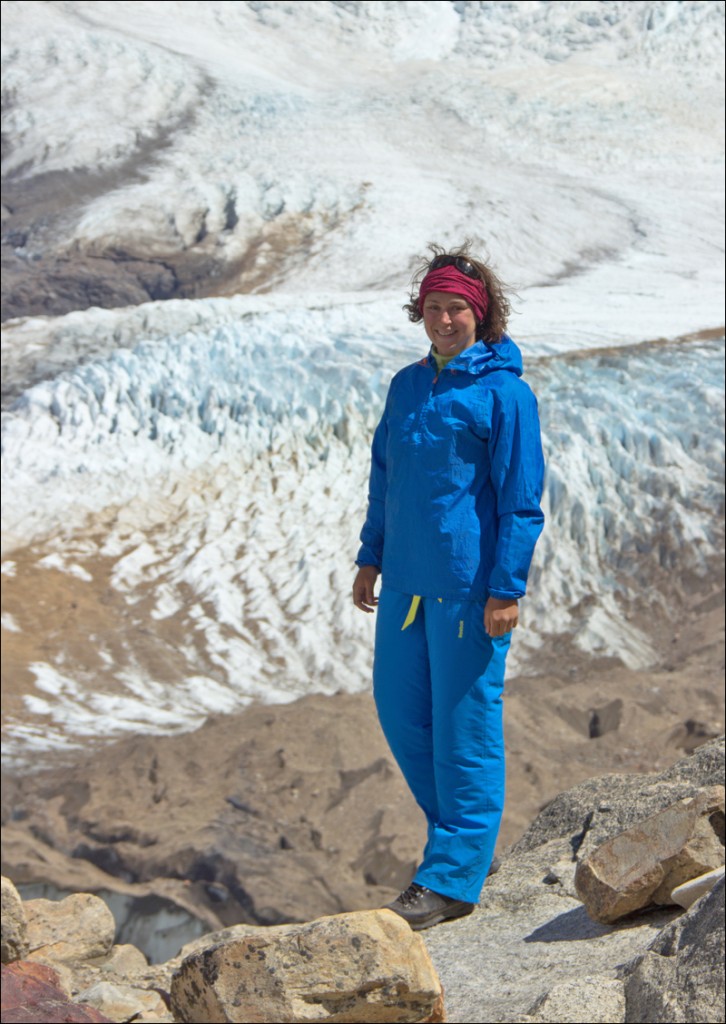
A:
221, 476
184, 480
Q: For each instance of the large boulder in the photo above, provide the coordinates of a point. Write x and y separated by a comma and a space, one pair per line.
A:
680, 978
77, 928
647, 862
14, 923
365, 966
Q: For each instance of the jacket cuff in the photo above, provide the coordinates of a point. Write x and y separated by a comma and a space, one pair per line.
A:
506, 595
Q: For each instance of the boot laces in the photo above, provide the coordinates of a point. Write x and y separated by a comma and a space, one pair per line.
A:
414, 892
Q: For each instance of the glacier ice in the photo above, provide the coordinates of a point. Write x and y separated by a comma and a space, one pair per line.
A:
224, 474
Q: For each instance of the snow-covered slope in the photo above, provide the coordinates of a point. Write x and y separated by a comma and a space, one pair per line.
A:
184, 481
318, 146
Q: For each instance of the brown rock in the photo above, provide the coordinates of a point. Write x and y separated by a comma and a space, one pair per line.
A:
14, 924
77, 928
702, 852
364, 966
644, 864
31, 995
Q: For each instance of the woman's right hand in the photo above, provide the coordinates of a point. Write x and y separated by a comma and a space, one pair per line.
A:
363, 587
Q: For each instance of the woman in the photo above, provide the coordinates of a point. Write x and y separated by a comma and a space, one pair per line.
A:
453, 518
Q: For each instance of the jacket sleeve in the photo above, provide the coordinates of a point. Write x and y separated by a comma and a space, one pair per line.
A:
517, 474
371, 550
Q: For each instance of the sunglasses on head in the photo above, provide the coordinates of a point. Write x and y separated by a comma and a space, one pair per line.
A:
459, 262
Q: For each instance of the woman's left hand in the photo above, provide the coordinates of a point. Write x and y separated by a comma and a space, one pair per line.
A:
500, 615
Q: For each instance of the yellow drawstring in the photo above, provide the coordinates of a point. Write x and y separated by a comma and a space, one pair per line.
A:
415, 602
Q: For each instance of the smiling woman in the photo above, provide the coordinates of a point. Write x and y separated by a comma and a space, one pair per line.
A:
453, 517
450, 322
474, 280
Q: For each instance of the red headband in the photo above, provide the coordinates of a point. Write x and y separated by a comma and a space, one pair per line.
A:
449, 279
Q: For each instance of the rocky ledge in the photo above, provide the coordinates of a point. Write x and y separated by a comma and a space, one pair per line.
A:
537, 948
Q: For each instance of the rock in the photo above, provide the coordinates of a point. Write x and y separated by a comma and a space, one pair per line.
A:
124, 1002
578, 821
79, 927
599, 808
14, 924
597, 1000
124, 960
31, 994
644, 864
686, 895
234, 932
365, 966
536, 940
298, 812
499, 961
681, 976
562, 874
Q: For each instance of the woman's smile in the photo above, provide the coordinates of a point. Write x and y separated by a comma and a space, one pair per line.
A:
449, 322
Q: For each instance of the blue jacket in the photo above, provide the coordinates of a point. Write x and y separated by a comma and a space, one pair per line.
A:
456, 478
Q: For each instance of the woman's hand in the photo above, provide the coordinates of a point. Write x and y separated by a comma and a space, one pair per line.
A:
500, 615
363, 586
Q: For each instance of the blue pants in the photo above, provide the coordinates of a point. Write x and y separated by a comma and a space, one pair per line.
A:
437, 684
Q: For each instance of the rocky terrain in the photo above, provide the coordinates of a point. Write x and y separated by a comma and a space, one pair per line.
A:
533, 951
286, 813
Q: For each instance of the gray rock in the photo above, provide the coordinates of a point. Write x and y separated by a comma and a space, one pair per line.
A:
497, 963
681, 976
14, 924
603, 807
597, 1000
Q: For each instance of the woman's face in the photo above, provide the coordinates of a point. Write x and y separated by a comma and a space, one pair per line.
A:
450, 322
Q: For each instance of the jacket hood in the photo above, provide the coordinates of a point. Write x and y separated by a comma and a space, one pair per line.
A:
485, 357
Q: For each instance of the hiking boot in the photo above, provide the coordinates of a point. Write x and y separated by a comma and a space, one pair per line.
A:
423, 907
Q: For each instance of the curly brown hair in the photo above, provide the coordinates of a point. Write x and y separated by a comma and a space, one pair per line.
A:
494, 324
